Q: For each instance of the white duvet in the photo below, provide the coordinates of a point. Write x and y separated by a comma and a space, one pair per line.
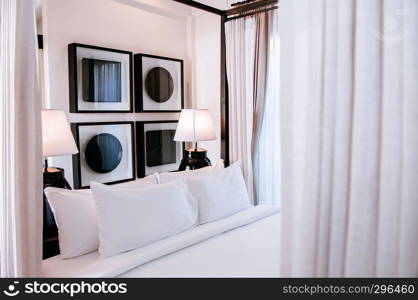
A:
246, 244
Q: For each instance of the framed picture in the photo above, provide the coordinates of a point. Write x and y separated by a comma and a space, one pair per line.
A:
107, 153
100, 79
157, 151
158, 84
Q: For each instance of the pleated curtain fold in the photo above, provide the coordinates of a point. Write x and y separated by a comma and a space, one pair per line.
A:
349, 116
248, 45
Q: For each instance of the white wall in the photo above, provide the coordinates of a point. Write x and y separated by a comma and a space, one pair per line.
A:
140, 26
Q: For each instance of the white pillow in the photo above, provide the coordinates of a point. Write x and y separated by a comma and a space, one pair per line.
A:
76, 217
171, 176
133, 219
219, 194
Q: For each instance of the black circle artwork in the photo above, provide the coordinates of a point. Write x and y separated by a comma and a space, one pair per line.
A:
103, 153
159, 84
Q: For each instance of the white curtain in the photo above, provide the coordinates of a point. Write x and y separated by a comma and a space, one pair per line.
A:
240, 41
349, 137
248, 43
267, 166
20, 136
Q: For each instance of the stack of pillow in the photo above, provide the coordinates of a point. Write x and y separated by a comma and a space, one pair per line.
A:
123, 217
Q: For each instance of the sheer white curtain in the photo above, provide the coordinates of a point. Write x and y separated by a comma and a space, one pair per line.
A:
350, 137
20, 137
267, 166
250, 71
240, 47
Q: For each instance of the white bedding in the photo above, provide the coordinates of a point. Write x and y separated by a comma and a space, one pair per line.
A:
246, 244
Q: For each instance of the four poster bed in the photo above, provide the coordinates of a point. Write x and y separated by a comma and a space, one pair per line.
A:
244, 242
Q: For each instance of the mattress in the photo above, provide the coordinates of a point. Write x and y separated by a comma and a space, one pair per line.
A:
246, 244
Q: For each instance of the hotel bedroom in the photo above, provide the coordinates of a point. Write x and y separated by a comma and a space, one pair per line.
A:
210, 138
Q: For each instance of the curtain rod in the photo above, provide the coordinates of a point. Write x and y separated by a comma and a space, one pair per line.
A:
250, 6
242, 2
251, 13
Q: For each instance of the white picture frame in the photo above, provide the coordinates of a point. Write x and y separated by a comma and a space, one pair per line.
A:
144, 63
142, 127
79, 52
125, 170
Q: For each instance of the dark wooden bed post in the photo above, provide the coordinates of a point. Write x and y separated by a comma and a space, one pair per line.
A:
224, 98
224, 80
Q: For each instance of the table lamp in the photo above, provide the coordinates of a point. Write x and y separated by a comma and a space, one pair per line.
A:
195, 125
57, 140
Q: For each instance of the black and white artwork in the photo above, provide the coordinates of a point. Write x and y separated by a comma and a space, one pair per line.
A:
158, 83
157, 150
100, 79
106, 153
103, 153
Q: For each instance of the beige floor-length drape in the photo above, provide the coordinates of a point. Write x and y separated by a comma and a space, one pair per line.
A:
349, 138
21, 153
247, 46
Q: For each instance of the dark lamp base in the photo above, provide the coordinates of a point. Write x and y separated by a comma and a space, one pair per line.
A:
194, 159
53, 177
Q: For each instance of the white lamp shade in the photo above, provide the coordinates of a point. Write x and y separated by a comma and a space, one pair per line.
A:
57, 138
195, 125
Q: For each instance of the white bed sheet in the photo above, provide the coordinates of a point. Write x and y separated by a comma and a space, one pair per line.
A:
249, 251
246, 244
